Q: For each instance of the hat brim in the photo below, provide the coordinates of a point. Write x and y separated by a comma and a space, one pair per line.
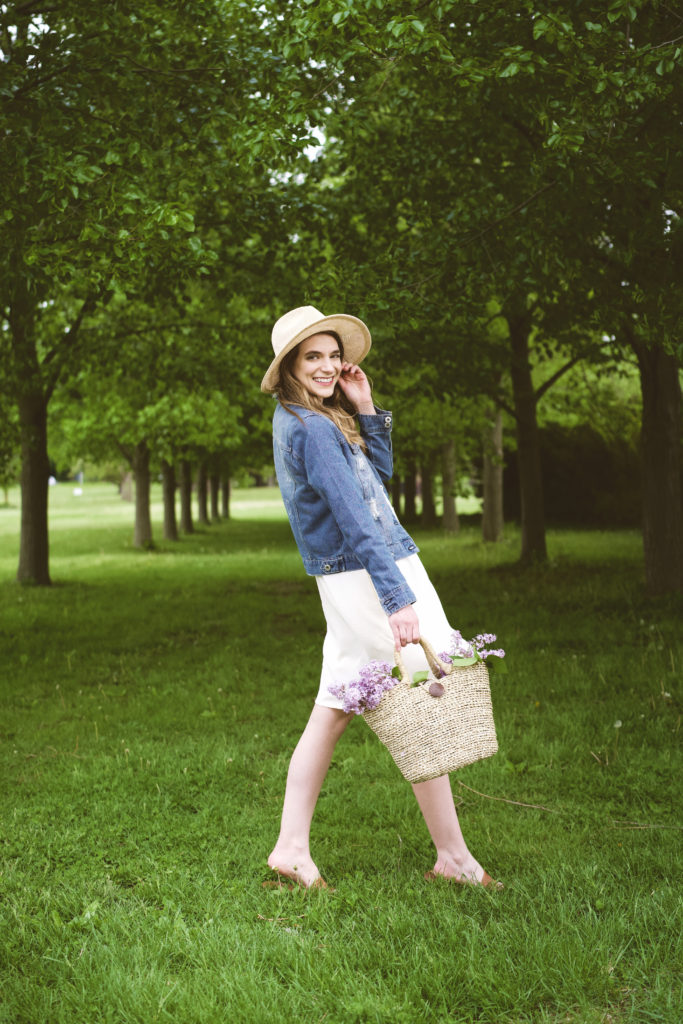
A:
355, 337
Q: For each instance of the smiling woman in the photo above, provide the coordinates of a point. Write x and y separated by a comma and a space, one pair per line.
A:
333, 457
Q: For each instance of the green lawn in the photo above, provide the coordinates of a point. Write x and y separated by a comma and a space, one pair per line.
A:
150, 704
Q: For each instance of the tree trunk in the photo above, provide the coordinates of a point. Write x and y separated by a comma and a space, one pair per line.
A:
492, 512
409, 503
126, 487
451, 521
225, 495
660, 443
185, 487
142, 535
35, 471
396, 494
214, 494
168, 490
428, 506
202, 494
528, 447
32, 399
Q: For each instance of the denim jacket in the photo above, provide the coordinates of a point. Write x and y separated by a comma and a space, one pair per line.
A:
337, 505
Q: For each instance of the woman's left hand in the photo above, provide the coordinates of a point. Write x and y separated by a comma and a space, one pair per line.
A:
356, 387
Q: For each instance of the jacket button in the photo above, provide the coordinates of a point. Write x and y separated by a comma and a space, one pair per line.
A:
327, 567
387, 421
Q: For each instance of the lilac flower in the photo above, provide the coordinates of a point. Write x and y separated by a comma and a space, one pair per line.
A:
365, 692
482, 640
461, 648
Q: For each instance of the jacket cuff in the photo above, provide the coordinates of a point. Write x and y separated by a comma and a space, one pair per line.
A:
398, 598
380, 423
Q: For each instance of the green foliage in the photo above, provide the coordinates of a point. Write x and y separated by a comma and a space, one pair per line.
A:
607, 397
145, 748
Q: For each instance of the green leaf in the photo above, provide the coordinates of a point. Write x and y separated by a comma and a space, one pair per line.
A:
464, 662
420, 677
540, 28
509, 71
396, 672
496, 664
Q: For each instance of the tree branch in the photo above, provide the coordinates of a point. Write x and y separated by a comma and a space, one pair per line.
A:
522, 130
675, 14
35, 83
502, 404
28, 7
61, 349
547, 384
509, 213
127, 453
154, 328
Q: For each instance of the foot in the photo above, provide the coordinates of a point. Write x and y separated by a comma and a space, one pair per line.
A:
299, 869
468, 872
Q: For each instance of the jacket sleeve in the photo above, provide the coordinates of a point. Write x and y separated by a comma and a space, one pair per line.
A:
330, 475
376, 431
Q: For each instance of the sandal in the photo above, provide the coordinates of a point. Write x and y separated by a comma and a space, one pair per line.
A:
486, 881
282, 881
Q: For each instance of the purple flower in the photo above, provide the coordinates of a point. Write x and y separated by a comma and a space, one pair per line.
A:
461, 648
365, 692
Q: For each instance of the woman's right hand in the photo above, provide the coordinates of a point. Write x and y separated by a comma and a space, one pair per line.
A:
405, 626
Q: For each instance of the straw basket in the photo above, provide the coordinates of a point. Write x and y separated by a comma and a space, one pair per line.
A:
428, 735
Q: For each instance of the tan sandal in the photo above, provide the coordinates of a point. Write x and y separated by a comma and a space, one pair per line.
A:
283, 881
486, 881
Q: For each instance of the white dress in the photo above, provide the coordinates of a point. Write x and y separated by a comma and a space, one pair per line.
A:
358, 628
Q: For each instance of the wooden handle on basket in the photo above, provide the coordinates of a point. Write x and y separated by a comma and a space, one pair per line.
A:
439, 668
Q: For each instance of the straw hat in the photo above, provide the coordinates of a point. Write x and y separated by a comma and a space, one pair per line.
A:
304, 321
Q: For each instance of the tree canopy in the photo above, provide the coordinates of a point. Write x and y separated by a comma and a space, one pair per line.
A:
178, 174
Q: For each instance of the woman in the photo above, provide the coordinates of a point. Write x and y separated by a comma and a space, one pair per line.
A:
332, 450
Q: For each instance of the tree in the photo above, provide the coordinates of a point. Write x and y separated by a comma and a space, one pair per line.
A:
117, 121
514, 133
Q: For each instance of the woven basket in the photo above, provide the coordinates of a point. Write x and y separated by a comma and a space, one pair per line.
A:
429, 736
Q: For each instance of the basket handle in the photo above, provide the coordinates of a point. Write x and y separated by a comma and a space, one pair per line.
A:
439, 668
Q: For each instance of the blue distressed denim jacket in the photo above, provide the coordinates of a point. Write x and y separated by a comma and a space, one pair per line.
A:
337, 505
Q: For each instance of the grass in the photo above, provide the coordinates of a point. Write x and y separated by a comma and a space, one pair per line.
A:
150, 705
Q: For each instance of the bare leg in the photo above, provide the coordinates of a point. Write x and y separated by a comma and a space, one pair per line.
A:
307, 770
453, 859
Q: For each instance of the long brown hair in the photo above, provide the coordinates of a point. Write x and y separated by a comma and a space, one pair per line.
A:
337, 407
